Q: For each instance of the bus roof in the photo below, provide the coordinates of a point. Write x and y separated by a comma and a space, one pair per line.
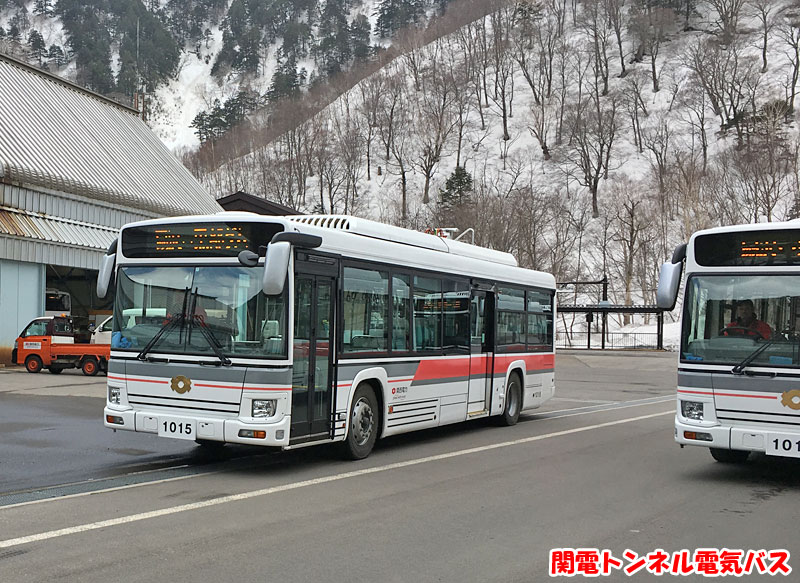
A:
369, 240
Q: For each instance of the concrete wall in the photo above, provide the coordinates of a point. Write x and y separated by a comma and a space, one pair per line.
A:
22, 288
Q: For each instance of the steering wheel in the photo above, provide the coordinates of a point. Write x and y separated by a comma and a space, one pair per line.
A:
741, 331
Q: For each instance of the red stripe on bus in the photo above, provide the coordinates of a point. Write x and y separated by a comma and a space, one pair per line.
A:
148, 381
727, 394
749, 396
115, 378
532, 361
442, 369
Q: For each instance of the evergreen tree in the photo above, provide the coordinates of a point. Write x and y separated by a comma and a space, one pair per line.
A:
147, 52
56, 56
285, 80
457, 189
37, 45
396, 14
360, 37
43, 7
13, 33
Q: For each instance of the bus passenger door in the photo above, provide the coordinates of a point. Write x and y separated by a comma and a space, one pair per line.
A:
481, 360
314, 304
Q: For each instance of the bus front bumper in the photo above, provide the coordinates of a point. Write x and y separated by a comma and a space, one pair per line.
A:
205, 429
706, 436
742, 438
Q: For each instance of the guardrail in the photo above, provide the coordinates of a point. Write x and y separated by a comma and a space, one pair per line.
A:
613, 340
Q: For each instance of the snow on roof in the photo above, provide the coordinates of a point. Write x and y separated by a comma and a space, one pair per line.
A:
57, 135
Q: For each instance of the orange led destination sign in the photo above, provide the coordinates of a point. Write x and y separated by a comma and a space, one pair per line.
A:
224, 239
753, 248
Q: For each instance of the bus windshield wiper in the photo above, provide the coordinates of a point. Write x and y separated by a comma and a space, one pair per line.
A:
211, 339
209, 336
168, 326
739, 368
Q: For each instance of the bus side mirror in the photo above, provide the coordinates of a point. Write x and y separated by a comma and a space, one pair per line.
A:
275, 267
669, 280
279, 251
106, 270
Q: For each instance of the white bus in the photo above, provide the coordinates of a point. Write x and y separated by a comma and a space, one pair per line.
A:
289, 331
739, 370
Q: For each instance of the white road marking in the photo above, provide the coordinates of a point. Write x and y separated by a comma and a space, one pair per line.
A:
584, 400
305, 483
550, 415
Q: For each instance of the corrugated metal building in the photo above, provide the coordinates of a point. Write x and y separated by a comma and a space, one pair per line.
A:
74, 168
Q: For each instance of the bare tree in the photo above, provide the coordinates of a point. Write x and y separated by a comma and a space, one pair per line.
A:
730, 79
728, 12
595, 24
650, 26
790, 34
657, 140
349, 140
694, 101
634, 104
616, 18
502, 95
474, 58
434, 122
765, 11
631, 218
594, 127
371, 91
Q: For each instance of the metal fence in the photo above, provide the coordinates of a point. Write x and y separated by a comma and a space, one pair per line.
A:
613, 340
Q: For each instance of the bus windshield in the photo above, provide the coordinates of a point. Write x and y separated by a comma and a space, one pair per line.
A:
728, 319
175, 302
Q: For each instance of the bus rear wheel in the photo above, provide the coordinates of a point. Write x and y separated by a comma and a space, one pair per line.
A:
729, 456
33, 363
363, 429
513, 401
89, 367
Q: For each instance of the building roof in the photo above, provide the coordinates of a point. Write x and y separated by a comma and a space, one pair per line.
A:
241, 201
57, 135
41, 227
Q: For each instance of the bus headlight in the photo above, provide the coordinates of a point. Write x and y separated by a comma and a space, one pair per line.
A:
692, 410
114, 395
264, 407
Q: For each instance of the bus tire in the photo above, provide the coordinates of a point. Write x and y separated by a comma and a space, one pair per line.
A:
33, 364
729, 456
55, 369
362, 432
513, 401
89, 366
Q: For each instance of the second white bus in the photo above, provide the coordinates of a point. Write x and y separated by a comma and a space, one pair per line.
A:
739, 370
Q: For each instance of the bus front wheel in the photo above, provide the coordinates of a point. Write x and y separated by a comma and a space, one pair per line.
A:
513, 401
363, 430
729, 456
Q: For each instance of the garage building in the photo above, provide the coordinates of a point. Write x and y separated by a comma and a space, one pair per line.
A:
74, 167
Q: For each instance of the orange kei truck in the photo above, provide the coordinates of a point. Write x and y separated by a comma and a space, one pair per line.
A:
49, 342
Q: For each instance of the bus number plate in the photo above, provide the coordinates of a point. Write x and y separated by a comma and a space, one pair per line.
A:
176, 427
783, 444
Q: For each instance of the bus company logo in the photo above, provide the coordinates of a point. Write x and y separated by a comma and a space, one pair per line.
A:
181, 384
399, 392
791, 399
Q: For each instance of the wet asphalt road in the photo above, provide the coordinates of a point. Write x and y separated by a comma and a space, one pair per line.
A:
596, 468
